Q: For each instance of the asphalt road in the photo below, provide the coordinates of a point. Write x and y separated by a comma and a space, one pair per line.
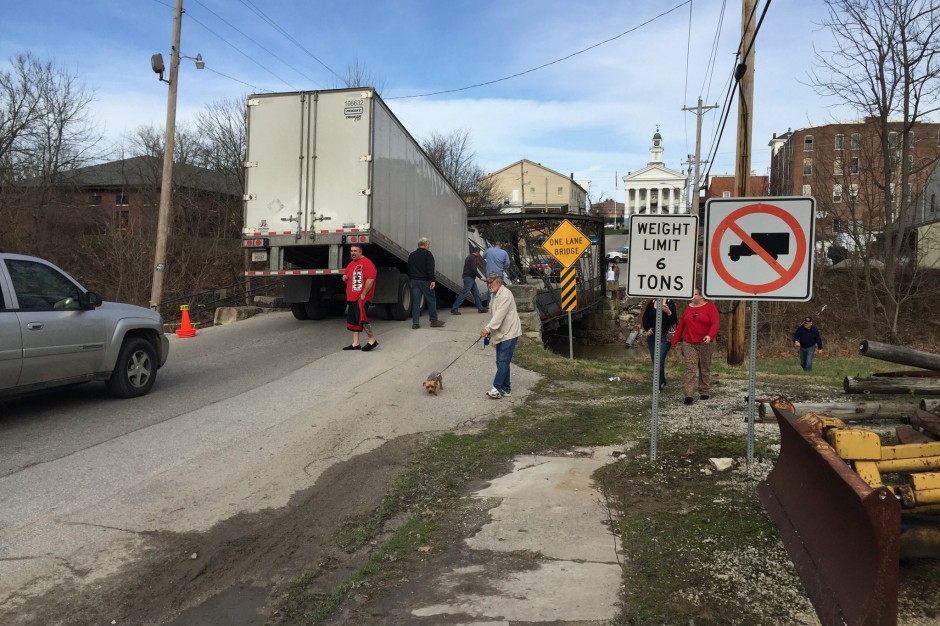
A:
241, 417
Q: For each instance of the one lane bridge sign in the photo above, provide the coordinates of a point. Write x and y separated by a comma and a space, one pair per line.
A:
566, 243
759, 248
662, 256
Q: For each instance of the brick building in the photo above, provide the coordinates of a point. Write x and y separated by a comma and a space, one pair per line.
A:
844, 168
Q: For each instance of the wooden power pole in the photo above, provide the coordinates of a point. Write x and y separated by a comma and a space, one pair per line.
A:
744, 74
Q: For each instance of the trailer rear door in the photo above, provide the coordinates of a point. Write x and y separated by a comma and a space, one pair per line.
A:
340, 169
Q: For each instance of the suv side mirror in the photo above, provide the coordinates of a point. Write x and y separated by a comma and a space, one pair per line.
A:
91, 300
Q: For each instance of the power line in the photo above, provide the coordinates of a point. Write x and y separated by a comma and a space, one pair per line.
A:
544, 65
287, 35
249, 38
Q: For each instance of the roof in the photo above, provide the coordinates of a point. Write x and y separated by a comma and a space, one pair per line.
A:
146, 171
539, 165
717, 185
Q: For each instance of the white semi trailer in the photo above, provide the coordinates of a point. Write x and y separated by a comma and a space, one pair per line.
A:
327, 169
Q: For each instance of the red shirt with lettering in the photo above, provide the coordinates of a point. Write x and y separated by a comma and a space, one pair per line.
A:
357, 272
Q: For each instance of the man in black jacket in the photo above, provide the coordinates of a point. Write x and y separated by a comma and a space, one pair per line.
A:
421, 272
807, 339
470, 273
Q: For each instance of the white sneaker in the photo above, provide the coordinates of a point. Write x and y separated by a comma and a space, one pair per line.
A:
505, 394
494, 393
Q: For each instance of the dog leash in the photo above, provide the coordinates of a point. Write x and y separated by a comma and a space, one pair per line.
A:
461, 354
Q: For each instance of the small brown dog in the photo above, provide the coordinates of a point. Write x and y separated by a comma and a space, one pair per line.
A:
434, 383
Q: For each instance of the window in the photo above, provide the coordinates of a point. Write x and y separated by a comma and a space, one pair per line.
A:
933, 203
910, 162
836, 194
807, 143
853, 166
122, 220
807, 167
840, 141
938, 139
837, 167
39, 287
121, 200
892, 139
725, 194
95, 199
838, 226
853, 191
856, 141
807, 190
560, 190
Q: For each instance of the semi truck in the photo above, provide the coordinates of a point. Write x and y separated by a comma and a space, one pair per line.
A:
331, 168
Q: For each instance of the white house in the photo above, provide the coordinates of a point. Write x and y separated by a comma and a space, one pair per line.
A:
655, 188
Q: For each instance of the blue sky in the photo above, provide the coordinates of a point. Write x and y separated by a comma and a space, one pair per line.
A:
592, 114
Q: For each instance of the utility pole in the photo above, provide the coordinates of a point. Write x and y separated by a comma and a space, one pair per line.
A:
744, 74
698, 147
166, 186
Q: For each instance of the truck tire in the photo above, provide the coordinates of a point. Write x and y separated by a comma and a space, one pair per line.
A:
401, 310
299, 309
316, 309
135, 370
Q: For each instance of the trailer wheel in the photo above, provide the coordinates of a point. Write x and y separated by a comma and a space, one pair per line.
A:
315, 308
299, 309
401, 310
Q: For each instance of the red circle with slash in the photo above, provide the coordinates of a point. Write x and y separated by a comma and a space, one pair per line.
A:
786, 274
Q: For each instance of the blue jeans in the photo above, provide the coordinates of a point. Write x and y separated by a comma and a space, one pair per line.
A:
469, 287
504, 350
419, 288
663, 351
806, 358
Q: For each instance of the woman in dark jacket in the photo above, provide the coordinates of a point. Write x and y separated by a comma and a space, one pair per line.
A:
648, 322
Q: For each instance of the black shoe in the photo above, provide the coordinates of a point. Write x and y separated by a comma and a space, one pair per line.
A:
688, 400
415, 326
454, 312
370, 346
436, 323
705, 397
661, 385
352, 348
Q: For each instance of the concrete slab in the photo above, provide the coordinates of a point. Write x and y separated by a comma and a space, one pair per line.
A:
547, 505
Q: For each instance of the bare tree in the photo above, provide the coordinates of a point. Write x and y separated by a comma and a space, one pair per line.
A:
223, 131
885, 64
358, 75
454, 156
45, 131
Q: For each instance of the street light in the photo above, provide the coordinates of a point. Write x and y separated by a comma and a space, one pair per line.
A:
166, 186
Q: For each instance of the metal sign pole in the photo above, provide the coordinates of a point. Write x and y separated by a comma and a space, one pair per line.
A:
657, 356
751, 384
570, 339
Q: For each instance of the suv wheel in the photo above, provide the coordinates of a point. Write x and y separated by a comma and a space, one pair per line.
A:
135, 370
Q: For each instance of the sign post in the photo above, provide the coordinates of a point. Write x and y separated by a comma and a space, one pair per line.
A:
662, 265
758, 249
566, 244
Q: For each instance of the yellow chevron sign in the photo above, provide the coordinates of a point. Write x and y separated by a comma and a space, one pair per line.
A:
569, 291
566, 243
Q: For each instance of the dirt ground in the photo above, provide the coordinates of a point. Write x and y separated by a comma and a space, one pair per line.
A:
231, 574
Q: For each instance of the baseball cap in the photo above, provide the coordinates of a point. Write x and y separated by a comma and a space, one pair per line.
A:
807, 320
493, 276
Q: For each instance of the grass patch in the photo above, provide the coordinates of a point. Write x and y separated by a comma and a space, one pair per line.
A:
698, 548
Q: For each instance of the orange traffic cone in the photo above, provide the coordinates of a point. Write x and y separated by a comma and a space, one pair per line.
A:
186, 329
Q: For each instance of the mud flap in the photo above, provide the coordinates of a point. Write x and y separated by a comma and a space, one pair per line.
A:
842, 535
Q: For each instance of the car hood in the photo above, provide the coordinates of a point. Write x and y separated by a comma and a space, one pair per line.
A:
132, 310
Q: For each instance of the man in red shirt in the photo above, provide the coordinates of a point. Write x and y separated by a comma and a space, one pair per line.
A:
360, 287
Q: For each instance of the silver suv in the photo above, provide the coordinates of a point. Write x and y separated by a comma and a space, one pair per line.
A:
53, 332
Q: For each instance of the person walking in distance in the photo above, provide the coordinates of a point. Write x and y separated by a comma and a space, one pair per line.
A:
809, 341
471, 268
360, 287
503, 329
696, 330
421, 272
497, 260
648, 322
